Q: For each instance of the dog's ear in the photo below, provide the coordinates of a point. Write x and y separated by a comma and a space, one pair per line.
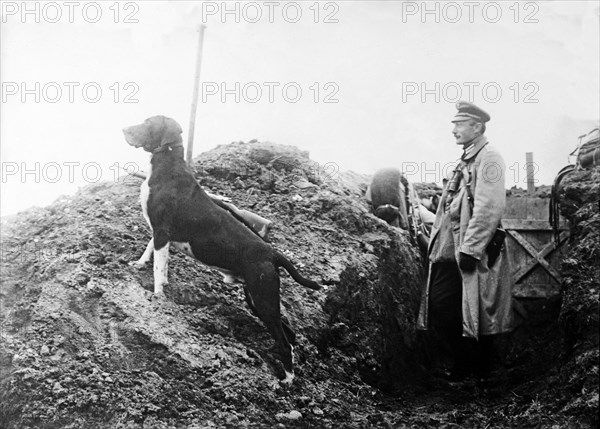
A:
171, 132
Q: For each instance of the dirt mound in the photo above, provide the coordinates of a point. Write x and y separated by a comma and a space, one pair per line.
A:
580, 198
542, 191
84, 344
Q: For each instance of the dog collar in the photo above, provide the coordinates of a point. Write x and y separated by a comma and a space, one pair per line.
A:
168, 147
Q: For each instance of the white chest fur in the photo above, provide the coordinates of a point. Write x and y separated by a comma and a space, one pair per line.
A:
145, 194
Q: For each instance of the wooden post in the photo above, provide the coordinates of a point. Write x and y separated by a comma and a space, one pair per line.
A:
530, 173
190, 145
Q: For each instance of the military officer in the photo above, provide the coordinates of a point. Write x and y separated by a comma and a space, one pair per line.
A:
467, 298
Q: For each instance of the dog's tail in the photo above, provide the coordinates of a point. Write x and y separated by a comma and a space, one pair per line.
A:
282, 261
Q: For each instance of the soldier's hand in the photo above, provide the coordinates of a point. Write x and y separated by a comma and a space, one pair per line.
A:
466, 262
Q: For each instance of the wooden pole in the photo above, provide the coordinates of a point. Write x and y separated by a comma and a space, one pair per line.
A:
190, 145
530, 173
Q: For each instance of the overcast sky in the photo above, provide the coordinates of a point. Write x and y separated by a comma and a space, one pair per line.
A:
368, 85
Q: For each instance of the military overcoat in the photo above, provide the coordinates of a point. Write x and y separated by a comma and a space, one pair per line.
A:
487, 292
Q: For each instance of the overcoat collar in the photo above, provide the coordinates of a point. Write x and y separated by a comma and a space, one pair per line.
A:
475, 147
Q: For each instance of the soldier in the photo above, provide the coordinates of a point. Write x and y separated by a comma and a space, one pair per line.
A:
468, 298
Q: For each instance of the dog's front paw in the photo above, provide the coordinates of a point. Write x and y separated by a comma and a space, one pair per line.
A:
139, 265
159, 287
158, 296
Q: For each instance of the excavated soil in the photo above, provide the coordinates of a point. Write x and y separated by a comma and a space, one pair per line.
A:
84, 344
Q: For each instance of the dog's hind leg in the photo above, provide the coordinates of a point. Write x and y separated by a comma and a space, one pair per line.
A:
263, 288
288, 331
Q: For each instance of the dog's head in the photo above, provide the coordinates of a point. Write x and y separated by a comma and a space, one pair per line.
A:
153, 133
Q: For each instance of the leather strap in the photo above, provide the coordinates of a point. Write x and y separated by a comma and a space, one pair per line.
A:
167, 146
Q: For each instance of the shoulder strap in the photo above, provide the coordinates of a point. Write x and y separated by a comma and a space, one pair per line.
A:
466, 180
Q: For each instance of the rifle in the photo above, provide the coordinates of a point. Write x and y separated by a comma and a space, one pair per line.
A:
417, 235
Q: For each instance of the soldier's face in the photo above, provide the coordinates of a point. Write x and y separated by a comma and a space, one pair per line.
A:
465, 131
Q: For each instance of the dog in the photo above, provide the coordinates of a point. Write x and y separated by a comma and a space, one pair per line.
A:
388, 197
181, 214
395, 201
